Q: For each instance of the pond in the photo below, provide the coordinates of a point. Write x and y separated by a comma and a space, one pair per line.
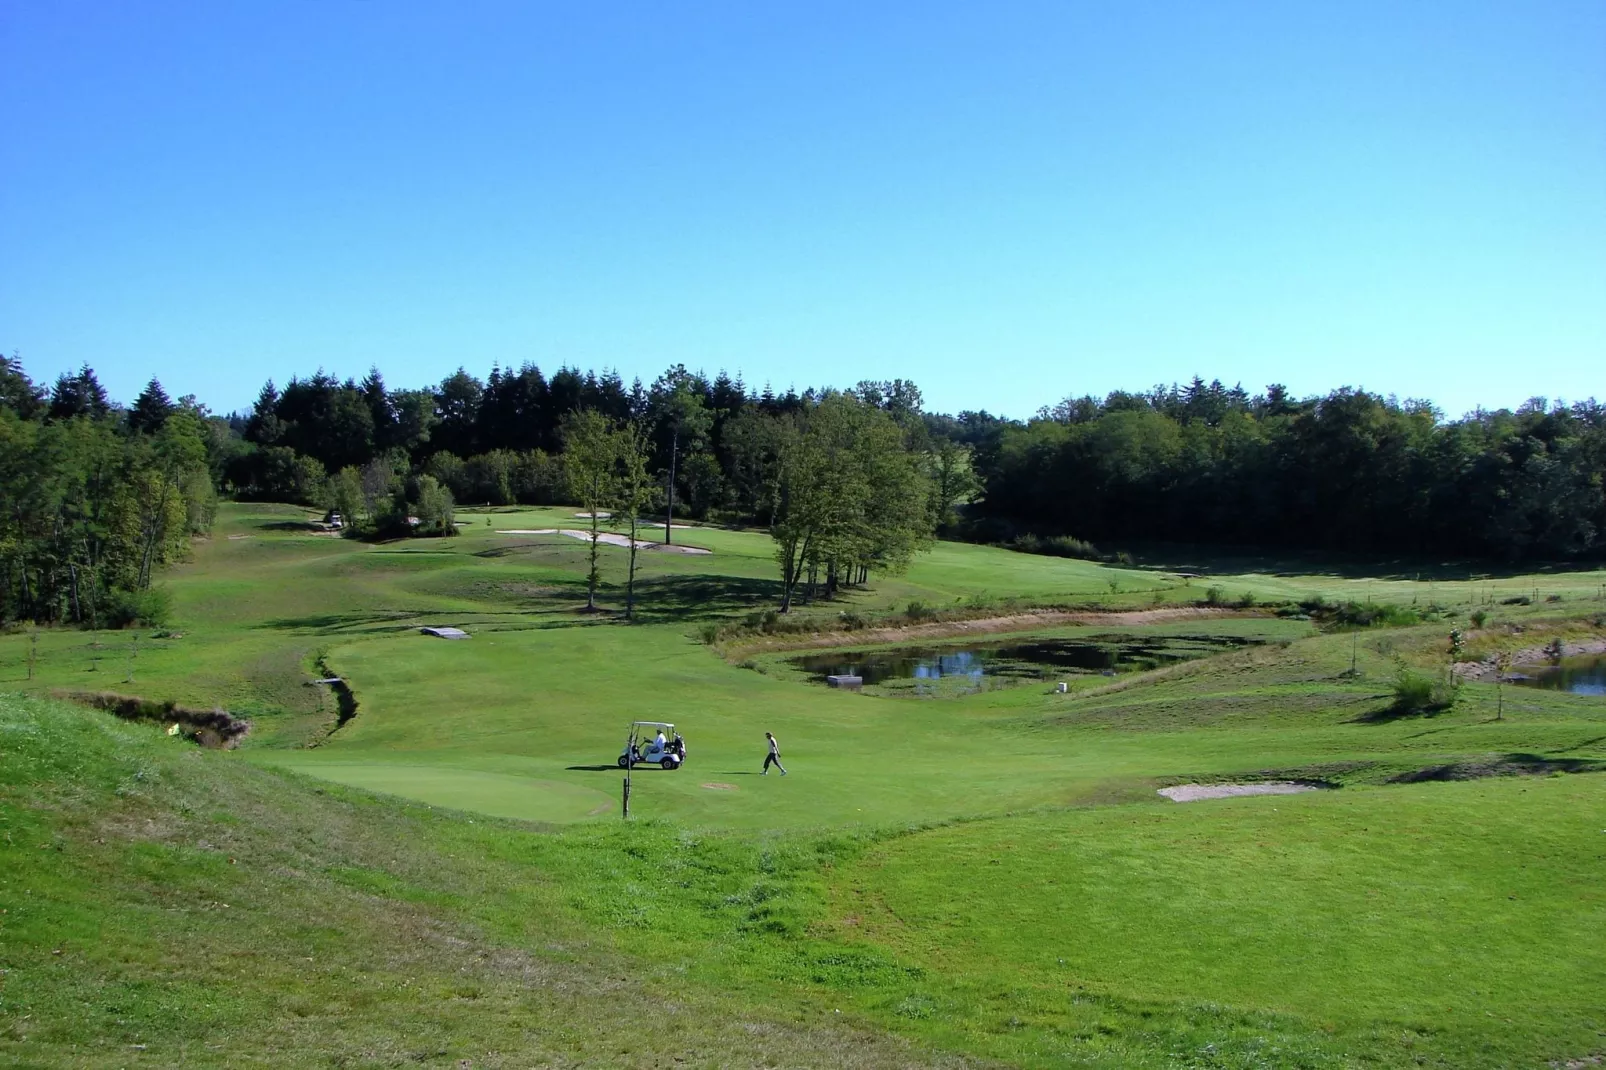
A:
1014, 660
1581, 676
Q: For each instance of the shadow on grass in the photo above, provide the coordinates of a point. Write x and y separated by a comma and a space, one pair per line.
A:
664, 599
1516, 764
596, 768
1237, 560
338, 622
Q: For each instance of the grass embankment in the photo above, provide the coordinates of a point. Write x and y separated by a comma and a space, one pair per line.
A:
1252, 932
164, 906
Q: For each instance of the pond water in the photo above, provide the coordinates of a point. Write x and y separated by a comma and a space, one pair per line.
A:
1015, 660
1581, 676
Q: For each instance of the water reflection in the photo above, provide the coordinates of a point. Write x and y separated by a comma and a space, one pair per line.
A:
1014, 660
1581, 676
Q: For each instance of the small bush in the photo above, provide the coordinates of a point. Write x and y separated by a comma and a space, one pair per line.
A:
1246, 600
709, 633
1520, 600
1553, 598
917, 611
1480, 617
1055, 546
148, 608
1416, 692
1215, 596
852, 621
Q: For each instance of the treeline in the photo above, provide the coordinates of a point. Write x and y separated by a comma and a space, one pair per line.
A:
1351, 471
97, 499
501, 441
847, 481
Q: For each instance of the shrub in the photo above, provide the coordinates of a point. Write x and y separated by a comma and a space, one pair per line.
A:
1520, 600
1246, 600
709, 633
149, 608
1416, 692
1215, 596
852, 621
917, 611
1479, 618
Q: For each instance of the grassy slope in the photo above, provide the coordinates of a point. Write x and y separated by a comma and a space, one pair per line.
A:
797, 918
162, 906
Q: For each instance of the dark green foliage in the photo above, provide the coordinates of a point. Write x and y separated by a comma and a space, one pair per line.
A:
94, 506
151, 409
1055, 546
1350, 471
149, 608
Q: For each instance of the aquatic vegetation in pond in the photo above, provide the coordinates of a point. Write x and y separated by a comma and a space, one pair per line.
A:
974, 665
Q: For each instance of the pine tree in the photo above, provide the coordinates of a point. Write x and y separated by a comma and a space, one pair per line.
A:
151, 409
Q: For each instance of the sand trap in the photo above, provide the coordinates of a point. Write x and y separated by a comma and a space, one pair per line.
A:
1195, 792
608, 537
233, 537
714, 785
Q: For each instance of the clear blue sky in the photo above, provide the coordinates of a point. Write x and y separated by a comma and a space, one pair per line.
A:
1007, 203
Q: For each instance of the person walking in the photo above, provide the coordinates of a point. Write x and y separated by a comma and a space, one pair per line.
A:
773, 756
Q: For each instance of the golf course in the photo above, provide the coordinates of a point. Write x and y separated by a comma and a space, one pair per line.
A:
424, 861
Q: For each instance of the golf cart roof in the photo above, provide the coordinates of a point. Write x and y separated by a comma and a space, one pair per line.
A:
652, 724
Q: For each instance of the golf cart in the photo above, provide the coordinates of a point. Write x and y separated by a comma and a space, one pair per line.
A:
642, 746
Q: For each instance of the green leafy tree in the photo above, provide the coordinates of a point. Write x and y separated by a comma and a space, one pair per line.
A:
590, 447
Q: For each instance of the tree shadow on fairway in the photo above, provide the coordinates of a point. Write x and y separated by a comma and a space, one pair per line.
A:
1243, 560
615, 767
334, 623
681, 598
1514, 764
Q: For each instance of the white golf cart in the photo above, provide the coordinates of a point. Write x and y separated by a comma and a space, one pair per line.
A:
653, 743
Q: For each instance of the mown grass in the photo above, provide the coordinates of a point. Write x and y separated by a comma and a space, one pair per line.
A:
375, 930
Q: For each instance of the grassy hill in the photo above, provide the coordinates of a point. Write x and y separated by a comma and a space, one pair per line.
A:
443, 877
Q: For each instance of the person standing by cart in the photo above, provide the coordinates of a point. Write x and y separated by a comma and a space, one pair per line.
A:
773, 756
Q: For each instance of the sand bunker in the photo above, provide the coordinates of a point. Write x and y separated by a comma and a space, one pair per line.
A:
1195, 792
608, 537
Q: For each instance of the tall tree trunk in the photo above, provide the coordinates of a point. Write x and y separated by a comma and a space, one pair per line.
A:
591, 577
669, 517
630, 577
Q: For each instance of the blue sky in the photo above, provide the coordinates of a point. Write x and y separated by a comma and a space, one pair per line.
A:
1006, 203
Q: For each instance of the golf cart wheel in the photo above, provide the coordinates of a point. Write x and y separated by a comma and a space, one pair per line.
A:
670, 765
623, 761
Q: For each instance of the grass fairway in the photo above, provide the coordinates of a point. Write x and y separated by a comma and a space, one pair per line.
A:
443, 877
1438, 919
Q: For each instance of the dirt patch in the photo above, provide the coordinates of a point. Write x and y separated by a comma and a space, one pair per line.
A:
215, 728
608, 537
714, 785
1015, 622
1196, 792
232, 538
1489, 667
